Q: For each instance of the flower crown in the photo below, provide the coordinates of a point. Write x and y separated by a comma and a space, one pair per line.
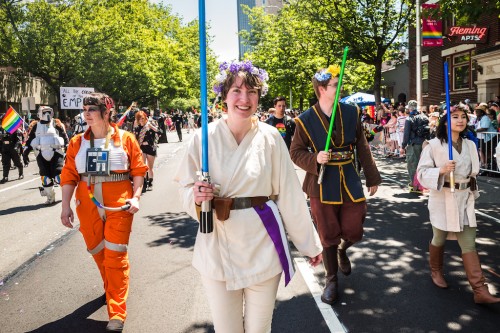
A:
234, 67
327, 74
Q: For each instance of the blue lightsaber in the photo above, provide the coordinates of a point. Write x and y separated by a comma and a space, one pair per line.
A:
448, 118
206, 214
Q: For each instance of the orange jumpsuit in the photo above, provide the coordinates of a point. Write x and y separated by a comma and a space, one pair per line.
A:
107, 241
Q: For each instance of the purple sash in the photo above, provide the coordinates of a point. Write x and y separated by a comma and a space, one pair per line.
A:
274, 226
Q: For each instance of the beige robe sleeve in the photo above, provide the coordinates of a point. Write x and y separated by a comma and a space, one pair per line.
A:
292, 203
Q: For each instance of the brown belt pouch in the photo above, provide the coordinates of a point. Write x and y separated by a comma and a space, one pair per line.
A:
473, 184
222, 207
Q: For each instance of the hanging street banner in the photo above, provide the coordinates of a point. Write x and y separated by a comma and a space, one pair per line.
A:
432, 26
72, 97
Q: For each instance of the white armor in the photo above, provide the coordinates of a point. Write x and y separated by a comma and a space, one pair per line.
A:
47, 141
80, 124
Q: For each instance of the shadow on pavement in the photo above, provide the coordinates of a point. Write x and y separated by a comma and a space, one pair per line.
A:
15, 210
390, 289
77, 322
200, 328
180, 227
298, 315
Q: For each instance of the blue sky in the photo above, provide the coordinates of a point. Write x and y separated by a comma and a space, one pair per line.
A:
222, 16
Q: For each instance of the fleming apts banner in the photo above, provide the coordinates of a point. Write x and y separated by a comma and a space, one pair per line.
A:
432, 27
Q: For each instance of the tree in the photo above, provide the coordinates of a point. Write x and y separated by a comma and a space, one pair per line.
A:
285, 45
471, 9
132, 50
371, 28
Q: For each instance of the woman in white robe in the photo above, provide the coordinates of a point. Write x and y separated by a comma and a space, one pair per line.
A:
241, 261
453, 212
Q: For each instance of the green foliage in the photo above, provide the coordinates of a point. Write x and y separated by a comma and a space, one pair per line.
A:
184, 104
469, 10
308, 35
132, 50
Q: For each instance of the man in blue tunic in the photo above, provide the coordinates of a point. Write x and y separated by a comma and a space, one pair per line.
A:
338, 204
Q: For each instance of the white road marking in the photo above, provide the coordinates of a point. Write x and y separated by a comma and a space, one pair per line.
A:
20, 184
326, 310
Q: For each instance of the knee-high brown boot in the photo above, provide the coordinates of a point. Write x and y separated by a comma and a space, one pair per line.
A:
476, 279
436, 264
331, 291
343, 259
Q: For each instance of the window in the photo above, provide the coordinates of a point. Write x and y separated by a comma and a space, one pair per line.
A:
425, 78
461, 71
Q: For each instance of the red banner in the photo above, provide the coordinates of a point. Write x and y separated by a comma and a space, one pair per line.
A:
432, 27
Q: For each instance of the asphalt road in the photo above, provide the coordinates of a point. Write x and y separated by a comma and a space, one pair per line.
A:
49, 283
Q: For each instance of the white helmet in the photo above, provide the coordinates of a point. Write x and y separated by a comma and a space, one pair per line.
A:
45, 113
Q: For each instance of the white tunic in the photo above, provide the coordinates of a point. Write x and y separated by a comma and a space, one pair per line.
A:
240, 251
449, 211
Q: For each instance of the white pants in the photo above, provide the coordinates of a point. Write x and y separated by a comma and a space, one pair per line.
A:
248, 310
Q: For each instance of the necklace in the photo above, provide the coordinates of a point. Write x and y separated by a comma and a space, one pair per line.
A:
457, 145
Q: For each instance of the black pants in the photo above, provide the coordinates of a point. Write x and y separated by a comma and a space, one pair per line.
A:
8, 155
179, 132
50, 168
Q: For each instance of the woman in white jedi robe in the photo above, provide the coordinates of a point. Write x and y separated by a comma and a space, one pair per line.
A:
241, 261
453, 212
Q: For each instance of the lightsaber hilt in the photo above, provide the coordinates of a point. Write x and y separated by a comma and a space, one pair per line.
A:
206, 213
321, 173
452, 182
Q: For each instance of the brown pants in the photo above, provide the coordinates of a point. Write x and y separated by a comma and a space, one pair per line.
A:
337, 222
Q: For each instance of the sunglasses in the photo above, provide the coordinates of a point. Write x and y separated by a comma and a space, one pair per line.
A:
91, 109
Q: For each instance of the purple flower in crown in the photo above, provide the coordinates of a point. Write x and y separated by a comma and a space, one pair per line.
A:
234, 67
223, 66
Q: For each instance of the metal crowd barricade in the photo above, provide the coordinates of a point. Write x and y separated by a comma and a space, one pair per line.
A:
377, 145
492, 152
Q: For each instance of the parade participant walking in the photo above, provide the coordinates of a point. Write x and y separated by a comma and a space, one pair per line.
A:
338, 205
241, 261
284, 123
416, 131
163, 127
146, 133
10, 149
106, 233
453, 212
48, 138
190, 119
178, 121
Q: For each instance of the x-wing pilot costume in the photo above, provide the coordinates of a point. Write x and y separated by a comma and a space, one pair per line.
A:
48, 139
338, 204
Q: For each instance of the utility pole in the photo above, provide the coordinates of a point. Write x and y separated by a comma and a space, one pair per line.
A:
418, 55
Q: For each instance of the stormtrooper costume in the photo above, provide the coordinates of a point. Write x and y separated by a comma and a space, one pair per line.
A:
48, 139
80, 124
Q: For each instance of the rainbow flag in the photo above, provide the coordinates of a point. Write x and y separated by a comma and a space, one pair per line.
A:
124, 116
11, 121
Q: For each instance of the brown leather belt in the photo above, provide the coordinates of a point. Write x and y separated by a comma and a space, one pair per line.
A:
336, 156
223, 206
459, 186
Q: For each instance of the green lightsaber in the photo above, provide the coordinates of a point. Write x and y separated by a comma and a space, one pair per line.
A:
334, 112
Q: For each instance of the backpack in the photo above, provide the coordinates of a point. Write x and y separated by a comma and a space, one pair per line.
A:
422, 129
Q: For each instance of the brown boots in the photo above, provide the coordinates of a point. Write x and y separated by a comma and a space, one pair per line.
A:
436, 264
331, 291
344, 262
476, 279
472, 269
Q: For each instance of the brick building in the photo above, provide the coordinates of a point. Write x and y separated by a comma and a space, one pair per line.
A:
474, 69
